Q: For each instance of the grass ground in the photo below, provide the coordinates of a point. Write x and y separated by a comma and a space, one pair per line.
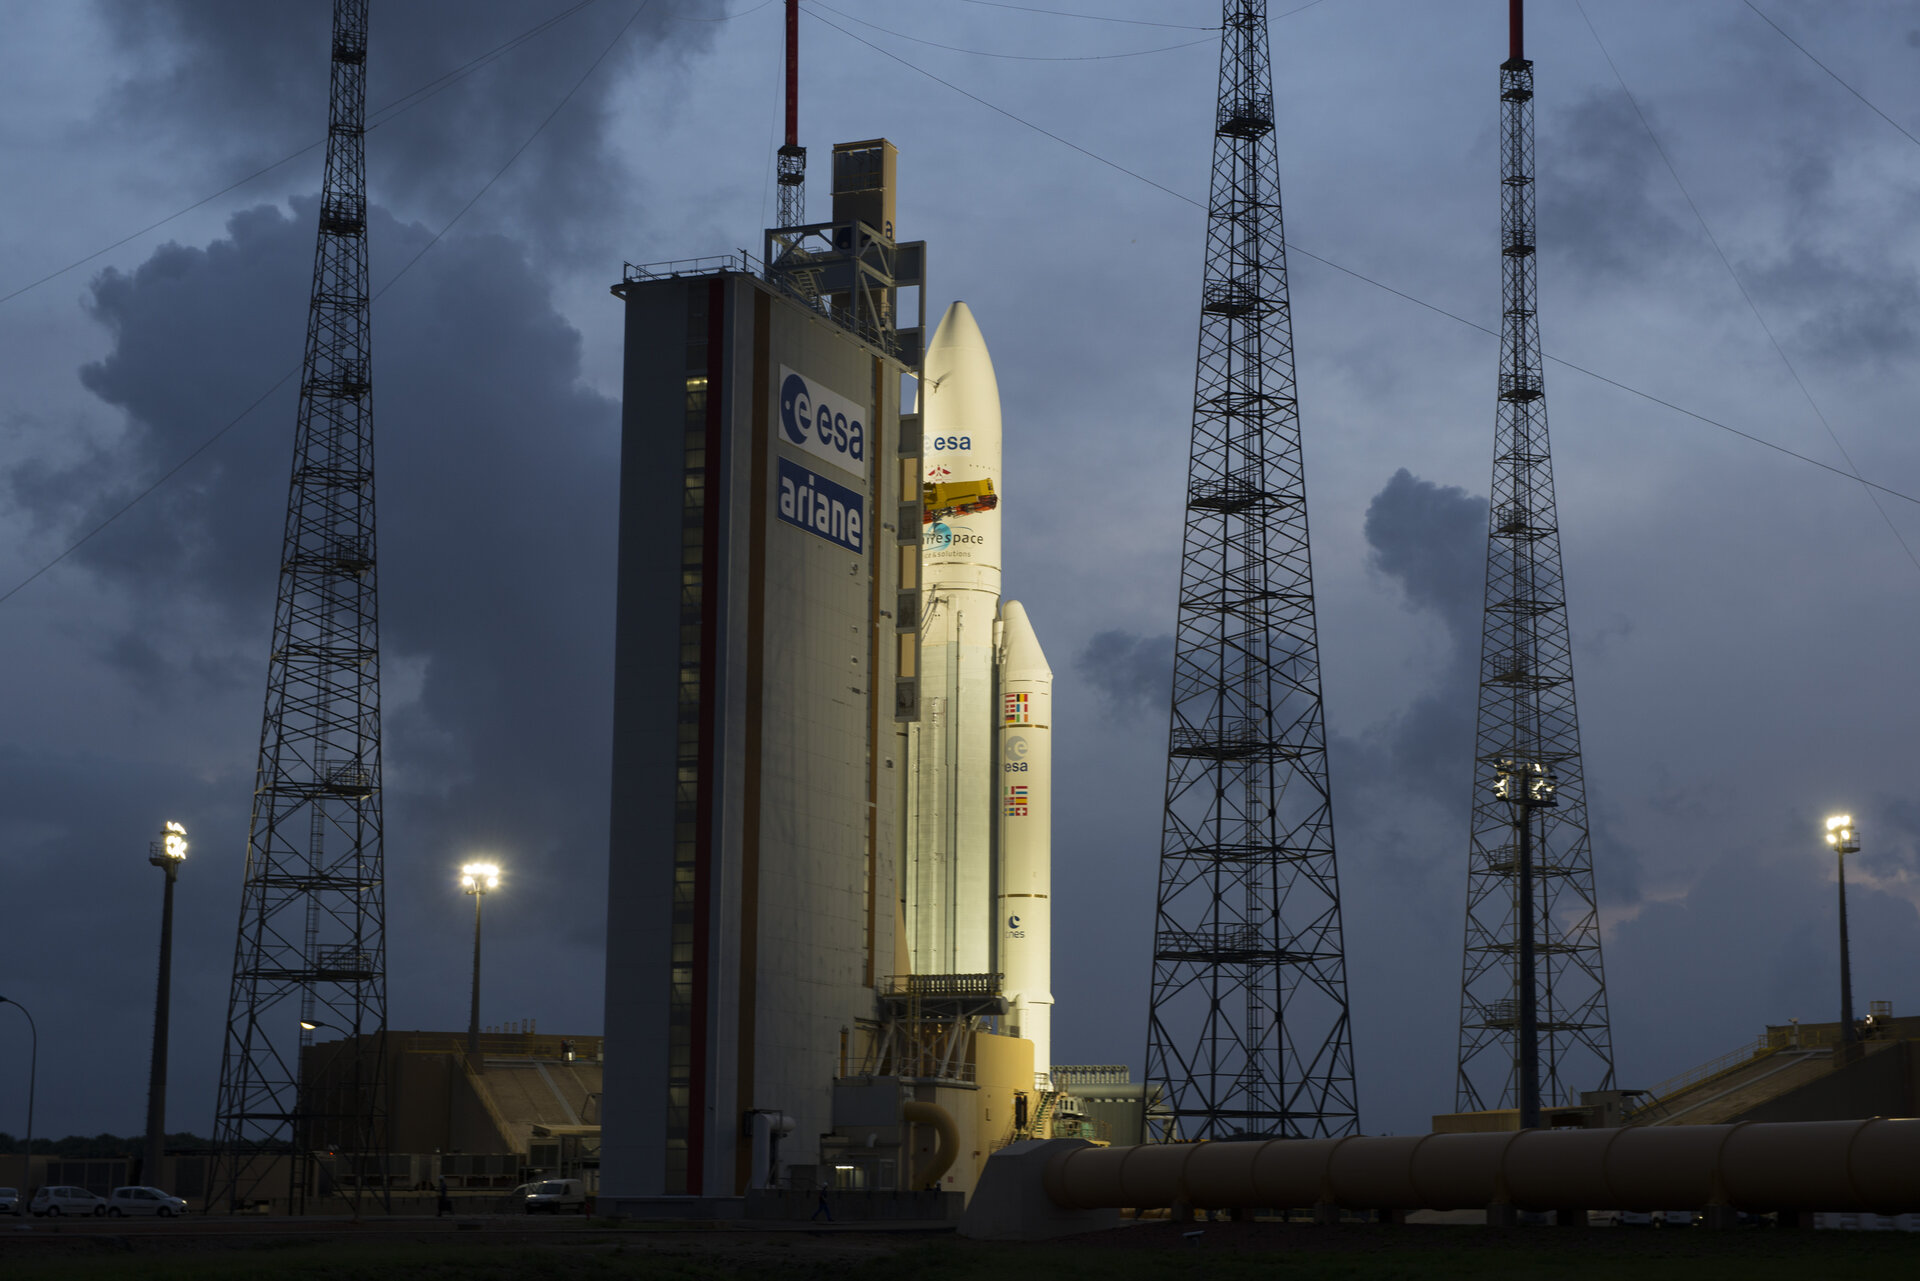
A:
1224, 1252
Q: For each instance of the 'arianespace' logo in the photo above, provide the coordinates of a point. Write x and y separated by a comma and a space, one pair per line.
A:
821, 421
941, 537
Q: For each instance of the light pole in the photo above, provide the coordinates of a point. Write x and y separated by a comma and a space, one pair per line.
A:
1845, 839
476, 879
166, 853
1526, 786
33, 1071
310, 1082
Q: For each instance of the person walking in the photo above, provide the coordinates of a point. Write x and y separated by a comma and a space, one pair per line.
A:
446, 1202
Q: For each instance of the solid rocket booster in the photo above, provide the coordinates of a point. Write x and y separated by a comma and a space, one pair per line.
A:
950, 864
1025, 918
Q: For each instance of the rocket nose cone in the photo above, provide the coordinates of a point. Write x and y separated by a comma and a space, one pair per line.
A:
1025, 660
957, 329
959, 349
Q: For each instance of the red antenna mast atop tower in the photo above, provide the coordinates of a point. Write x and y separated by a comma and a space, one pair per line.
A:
793, 156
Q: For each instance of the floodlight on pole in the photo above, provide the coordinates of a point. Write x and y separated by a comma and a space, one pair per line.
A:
1526, 786
167, 852
1844, 837
33, 1072
477, 879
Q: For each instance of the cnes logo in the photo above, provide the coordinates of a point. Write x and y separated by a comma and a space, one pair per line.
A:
819, 420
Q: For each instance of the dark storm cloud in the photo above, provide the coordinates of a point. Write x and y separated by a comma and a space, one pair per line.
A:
496, 535
1427, 538
1891, 849
1132, 674
1597, 208
1430, 540
1851, 312
238, 84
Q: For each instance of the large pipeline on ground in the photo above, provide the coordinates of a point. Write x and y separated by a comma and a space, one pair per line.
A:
1871, 1166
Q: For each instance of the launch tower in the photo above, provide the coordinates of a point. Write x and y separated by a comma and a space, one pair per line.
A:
1533, 995
1248, 1026
311, 950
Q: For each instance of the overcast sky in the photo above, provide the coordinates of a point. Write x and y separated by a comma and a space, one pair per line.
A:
1743, 621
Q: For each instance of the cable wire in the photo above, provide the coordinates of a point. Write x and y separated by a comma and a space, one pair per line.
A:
1836, 75
1739, 284
1101, 17
1295, 247
381, 115
1003, 111
725, 17
392, 280
1013, 57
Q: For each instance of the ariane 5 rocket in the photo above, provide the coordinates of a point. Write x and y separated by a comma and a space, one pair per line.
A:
980, 855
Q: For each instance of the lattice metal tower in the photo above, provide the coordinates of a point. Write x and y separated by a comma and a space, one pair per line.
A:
1248, 1028
311, 951
1532, 922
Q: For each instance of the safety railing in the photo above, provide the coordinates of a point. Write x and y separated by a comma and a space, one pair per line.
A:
1728, 1062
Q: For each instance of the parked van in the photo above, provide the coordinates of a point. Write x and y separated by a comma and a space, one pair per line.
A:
555, 1195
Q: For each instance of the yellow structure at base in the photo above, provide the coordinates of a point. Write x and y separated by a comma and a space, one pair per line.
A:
983, 1114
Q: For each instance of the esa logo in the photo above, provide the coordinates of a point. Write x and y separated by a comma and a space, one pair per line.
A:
1015, 755
822, 422
1013, 928
952, 442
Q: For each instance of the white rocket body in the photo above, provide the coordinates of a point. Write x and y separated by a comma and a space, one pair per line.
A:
950, 864
980, 852
1025, 918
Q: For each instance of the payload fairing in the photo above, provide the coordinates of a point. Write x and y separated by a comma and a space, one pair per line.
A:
980, 853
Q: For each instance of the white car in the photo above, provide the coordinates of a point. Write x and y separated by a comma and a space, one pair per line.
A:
55, 1201
9, 1200
143, 1200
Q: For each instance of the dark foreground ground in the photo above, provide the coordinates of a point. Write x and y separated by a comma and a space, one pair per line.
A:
510, 1250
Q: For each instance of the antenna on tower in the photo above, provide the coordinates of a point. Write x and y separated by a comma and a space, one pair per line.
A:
793, 156
311, 951
1248, 1025
1533, 994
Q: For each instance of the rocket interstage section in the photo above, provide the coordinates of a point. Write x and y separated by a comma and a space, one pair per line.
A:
950, 862
1025, 918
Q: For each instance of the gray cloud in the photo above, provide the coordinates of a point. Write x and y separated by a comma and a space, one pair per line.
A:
1597, 177
1430, 540
1132, 674
496, 484
138, 663
1850, 310
1890, 847
237, 84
